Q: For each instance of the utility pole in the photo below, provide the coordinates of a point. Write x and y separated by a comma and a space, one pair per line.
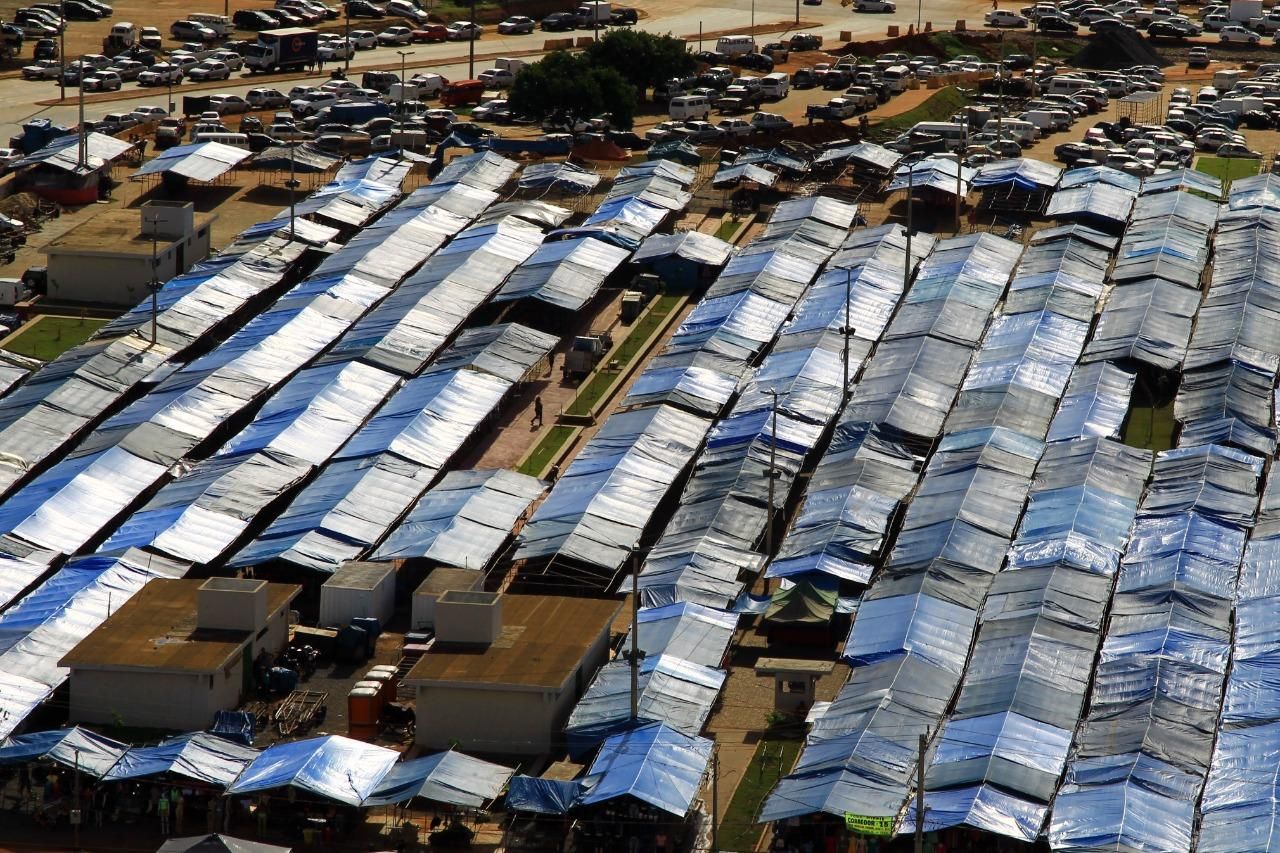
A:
964, 143
83, 153
403, 83
911, 191
920, 795
471, 45
773, 470
62, 50
346, 37
715, 799
635, 638
753, 20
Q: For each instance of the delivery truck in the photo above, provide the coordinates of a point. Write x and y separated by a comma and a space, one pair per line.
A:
288, 49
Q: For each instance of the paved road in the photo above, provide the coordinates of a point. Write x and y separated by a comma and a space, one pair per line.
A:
18, 98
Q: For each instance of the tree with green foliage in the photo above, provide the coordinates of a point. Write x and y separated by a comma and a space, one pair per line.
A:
644, 59
572, 87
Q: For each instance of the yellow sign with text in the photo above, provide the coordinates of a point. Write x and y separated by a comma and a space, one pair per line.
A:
869, 824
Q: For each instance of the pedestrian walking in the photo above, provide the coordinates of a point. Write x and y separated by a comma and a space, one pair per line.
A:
162, 809
179, 811
537, 412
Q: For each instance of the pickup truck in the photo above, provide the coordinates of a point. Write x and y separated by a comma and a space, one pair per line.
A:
836, 109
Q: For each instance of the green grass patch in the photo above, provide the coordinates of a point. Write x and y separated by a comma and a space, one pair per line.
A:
773, 759
546, 450
1227, 169
939, 107
49, 336
598, 386
1150, 427
727, 229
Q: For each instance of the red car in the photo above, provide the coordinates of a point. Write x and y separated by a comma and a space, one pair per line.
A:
430, 33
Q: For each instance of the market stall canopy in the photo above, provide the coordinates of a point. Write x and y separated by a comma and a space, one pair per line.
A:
64, 153
218, 844
652, 763
200, 756
334, 767
73, 747
446, 777
202, 161
542, 796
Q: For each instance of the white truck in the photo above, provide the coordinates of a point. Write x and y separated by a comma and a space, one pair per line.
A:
594, 13
1244, 10
1226, 79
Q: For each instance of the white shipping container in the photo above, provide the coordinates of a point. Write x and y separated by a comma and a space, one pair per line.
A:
358, 589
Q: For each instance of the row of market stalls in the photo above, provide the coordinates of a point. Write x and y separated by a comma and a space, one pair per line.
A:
1071, 662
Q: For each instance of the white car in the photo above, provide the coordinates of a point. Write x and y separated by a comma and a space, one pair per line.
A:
364, 39
233, 60
266, 99
875, 6
406, 9
732, 127
464, 31
1238, 34
1005, 18
128, 69
312, 103
497, 78
102, 81
395, 36
517, 25
440, 114
160, 74
210, 69
338, 48
770, 122
340, 87
42, 69
227, 104
150, 113
486, 110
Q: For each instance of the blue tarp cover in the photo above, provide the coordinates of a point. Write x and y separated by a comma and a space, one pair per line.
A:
446, 777
542, 796
652, 763
333, 767
200, 756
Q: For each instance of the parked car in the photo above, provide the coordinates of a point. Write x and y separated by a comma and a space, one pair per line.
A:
1237, 149
407, 10
224, 104
558, 22
395, 36
431, 33
363, 39
875, 6
1198, 57
151, 112
1050, 24
191, 31
252, 19
266, 99
102, 81
756, 62
233, 60
516, 25
210, 69
1236, 34
1005, 18
770, 122
42, 69
312, 103
160, 74
128, 69
731, 128
464, 31
364, 9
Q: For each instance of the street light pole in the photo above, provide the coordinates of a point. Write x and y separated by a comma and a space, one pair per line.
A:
773, 469
911, 191
293, 191
848, 287
635, 638
346, 37
154, 284
75, 809
62, 51
403, 82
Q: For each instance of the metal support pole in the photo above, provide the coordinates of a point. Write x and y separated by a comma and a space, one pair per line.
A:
911, 191
293, 191
471, 46
797, 13
848, 287
919, 9
715, 799
964, 143
154, 285
920, 796
75, 808
773, 470
403, 83
699, 36
753, 20
635, 639
82, 154
170, 85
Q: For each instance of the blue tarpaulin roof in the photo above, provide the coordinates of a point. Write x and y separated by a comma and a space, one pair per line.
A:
542, 796
1022, 173
333, 767
652, 763
199, 756
446, 777
90, 751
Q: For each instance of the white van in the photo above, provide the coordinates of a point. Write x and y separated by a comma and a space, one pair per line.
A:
735, 45
689, 106
505, 63
235, 140
953, 133
220, 24
1023, 131
896, 77
776, 85
1069, 85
